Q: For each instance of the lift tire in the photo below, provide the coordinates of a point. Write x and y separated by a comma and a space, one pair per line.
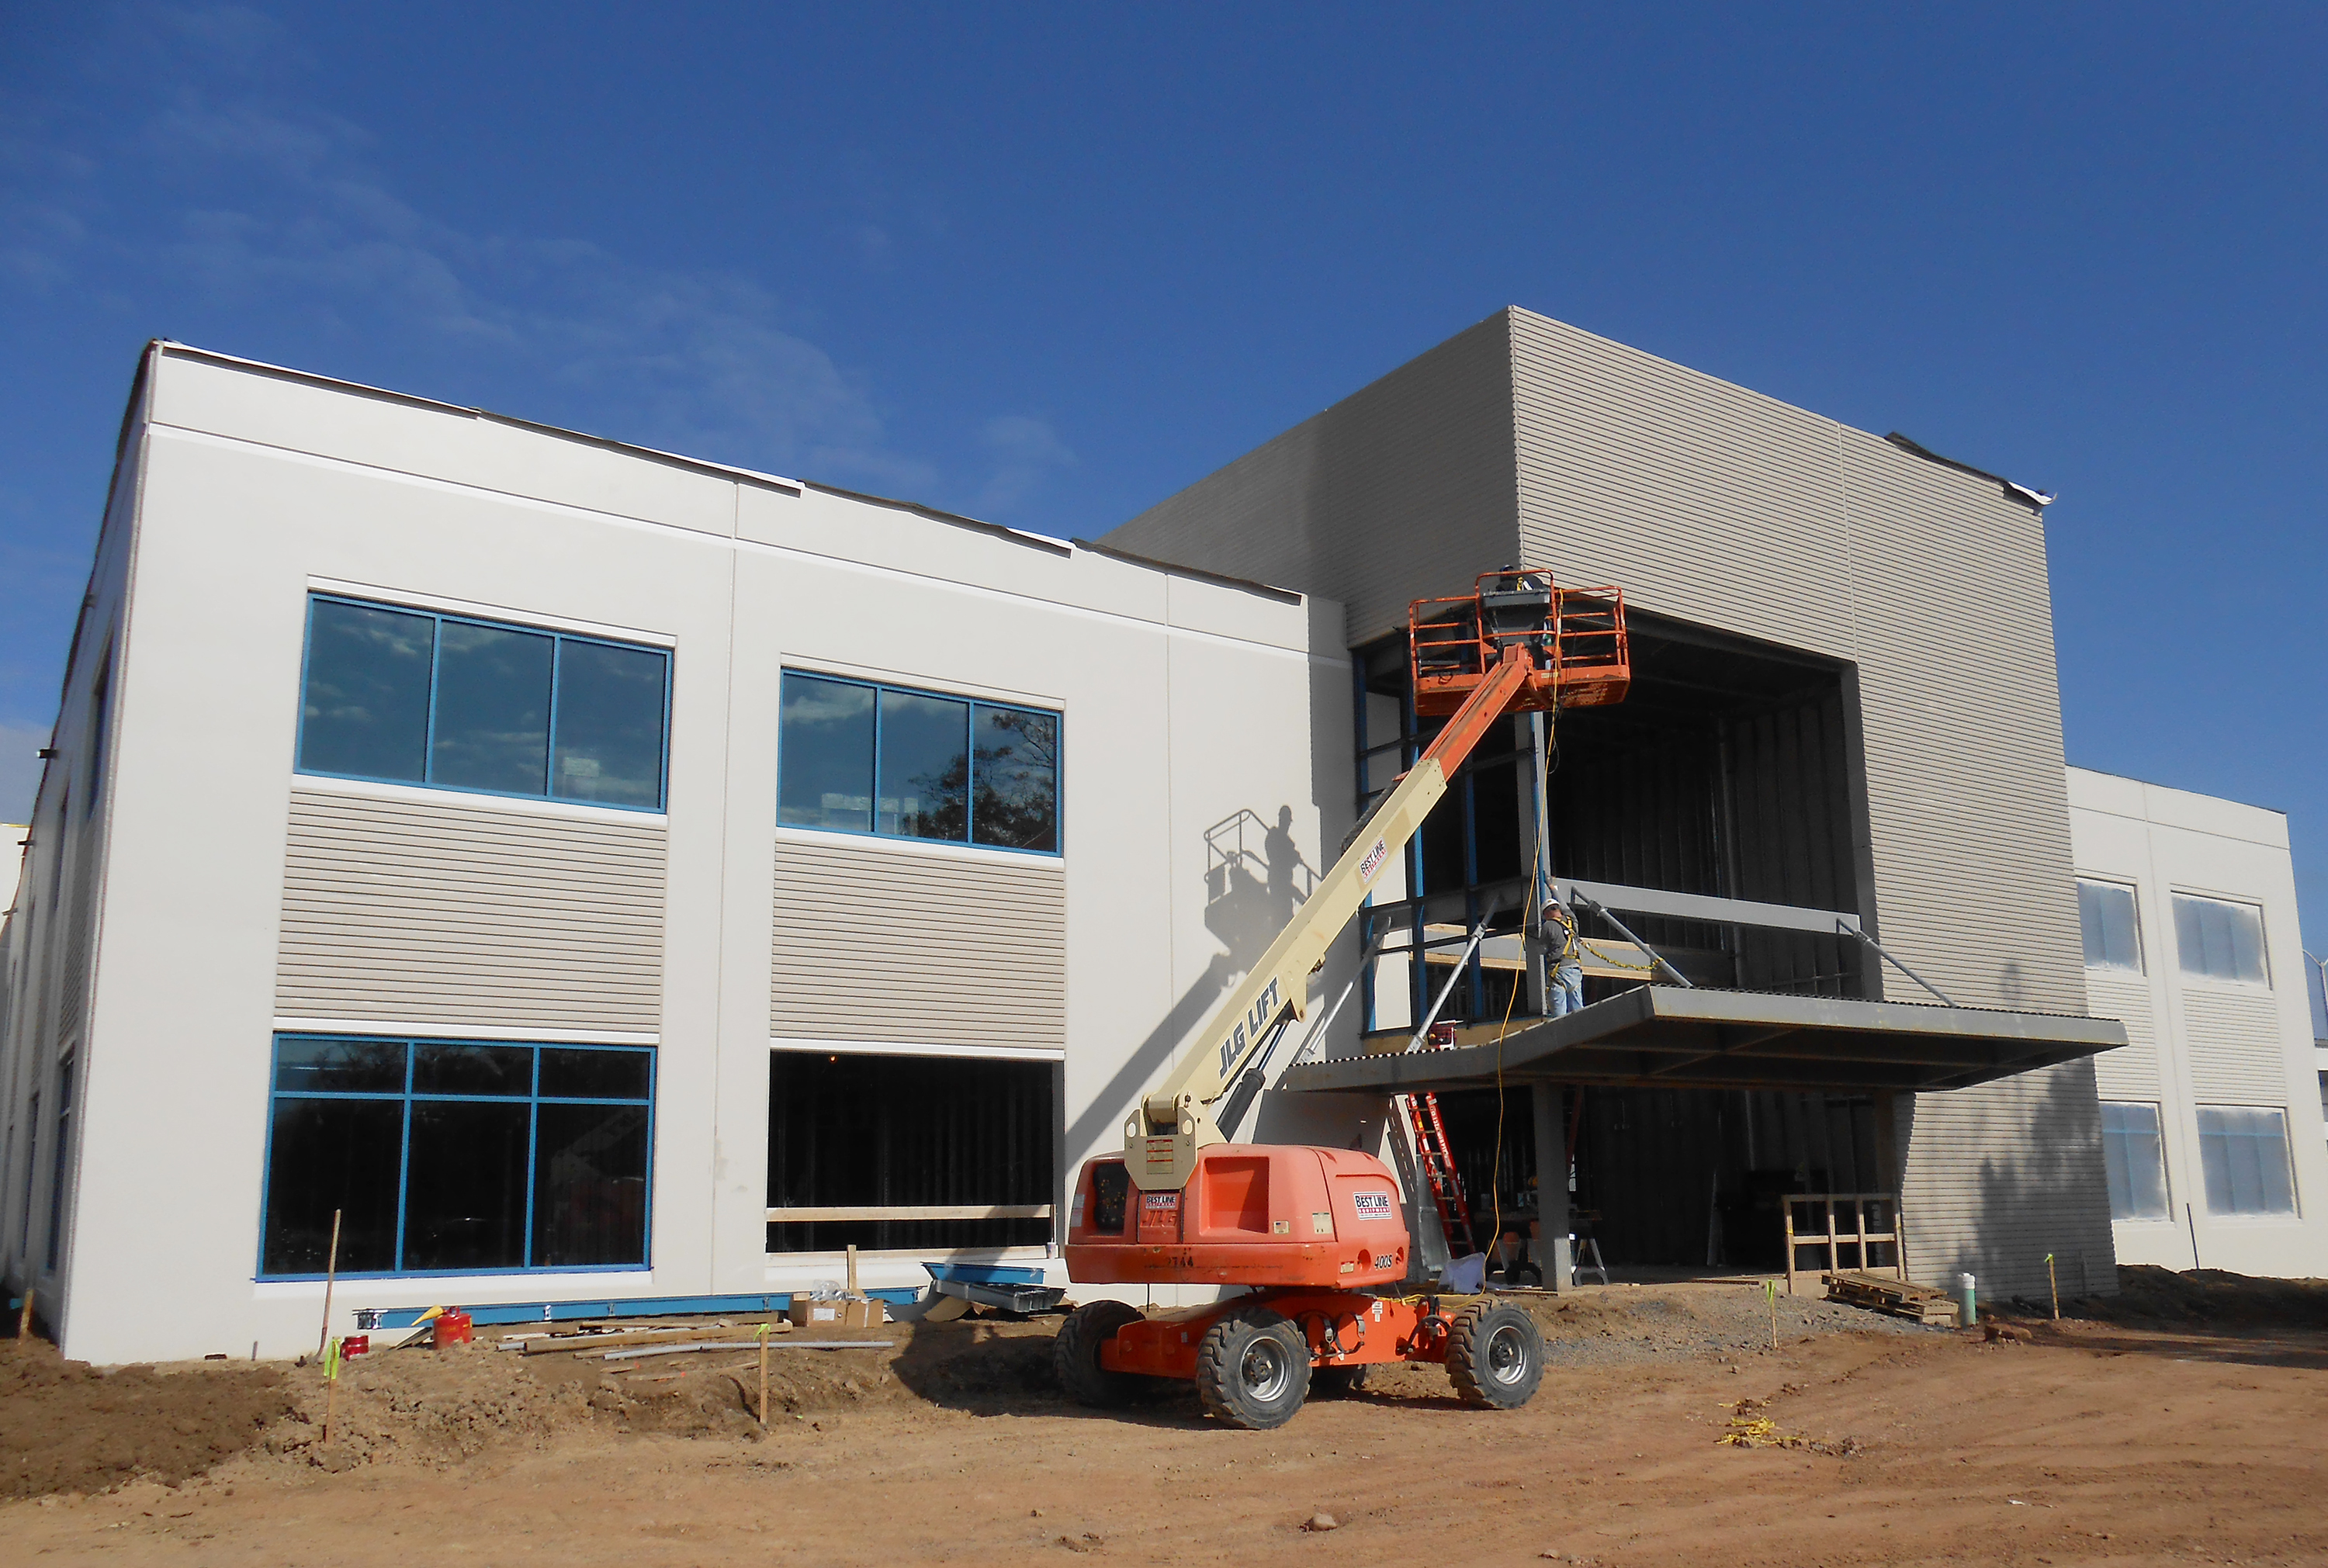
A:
1074, 1356
1494, 1356
1252, 1369
1337, 1382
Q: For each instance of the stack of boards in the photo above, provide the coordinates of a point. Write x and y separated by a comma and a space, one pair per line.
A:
1888, 1293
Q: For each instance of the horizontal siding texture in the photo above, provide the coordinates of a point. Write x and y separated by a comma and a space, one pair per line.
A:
881, 942
2236, 1057
2132, 1071
1700, 499
470, 914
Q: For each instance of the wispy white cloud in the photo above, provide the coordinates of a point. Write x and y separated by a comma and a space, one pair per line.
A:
698, 362
1025, 450
275, 203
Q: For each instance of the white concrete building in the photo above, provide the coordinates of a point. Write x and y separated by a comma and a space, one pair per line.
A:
589, 879
2212, 1121
418, 847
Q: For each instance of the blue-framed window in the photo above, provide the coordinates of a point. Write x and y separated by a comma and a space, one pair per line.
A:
856, 757
457, 1156
414, 697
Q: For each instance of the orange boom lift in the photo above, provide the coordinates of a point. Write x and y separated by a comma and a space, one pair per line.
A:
1314, 1233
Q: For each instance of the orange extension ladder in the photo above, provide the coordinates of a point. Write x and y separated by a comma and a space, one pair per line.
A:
1430, 1152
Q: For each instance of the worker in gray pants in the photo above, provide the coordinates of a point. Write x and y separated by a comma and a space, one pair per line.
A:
1564, 972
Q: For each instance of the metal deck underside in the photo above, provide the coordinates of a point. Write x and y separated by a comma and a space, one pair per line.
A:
1669, 1038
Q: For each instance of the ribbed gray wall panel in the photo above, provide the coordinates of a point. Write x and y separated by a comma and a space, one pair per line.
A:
465, 914
881, 943
1701, 500
1718, 505
2236, 1054
1402, 490
2131, 1072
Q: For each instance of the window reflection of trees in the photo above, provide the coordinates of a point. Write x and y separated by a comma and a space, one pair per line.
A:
1017, 769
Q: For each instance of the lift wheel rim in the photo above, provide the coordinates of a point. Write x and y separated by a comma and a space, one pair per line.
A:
1506, 1360
1264, 1368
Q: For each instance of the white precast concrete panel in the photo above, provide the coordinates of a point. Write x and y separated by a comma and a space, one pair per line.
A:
230, 534
260, 486
2215, 1043
413, 437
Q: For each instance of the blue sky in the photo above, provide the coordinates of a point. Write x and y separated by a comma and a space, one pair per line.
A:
1046, 265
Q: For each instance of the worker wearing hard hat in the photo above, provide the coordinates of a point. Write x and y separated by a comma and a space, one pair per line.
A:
1563, 972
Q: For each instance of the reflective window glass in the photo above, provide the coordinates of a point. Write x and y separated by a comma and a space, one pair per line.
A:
364, 709
590, 1186
464, 1185
1016, 768
2106, 911
925, 768
948, 769
493, 709
584, 1075
332, 1154
496, 1158
2133, 1161
463, 704
339, 1067
457, 1069
825, 763
2243, 1151
610, 724
2217, 939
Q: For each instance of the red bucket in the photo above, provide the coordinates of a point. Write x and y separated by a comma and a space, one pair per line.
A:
356, 1344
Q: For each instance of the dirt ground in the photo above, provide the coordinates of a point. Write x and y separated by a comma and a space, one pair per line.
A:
2179, 1421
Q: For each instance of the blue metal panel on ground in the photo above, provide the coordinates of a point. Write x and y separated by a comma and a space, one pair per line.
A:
984, 1273
506, 1312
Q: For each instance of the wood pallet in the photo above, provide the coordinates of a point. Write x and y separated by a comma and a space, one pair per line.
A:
1886, 1293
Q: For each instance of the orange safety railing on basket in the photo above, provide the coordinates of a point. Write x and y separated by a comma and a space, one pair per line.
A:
1572, 639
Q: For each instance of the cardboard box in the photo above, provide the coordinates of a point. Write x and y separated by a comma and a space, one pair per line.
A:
856, 1314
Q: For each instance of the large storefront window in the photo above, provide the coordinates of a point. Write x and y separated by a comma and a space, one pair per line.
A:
454, 1156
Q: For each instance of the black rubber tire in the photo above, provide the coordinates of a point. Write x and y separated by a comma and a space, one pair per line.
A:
1074, 1356
1252, 1369
1337, 1382
1494, 1356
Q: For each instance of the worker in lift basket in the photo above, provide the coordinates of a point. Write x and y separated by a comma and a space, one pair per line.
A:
1564, 972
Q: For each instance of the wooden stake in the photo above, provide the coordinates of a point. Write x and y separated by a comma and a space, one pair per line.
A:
1770, 1289
330, 1389
763, 1376
2054, 1280
331, 1273
25, 1318
852, 1268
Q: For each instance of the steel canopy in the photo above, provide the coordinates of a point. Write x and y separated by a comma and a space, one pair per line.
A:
1671, 1038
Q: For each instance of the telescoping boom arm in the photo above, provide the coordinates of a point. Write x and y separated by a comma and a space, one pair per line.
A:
1162, 1136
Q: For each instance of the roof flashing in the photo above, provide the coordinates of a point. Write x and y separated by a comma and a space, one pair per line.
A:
2034, 499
